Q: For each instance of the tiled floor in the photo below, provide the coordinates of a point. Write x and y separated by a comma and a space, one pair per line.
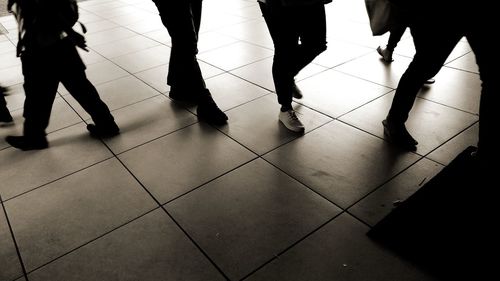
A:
175, 199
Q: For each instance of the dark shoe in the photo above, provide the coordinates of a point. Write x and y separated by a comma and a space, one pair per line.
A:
5, 115
430, 81
183, 96
210, 113
27, 143
399, 136
103, 131
385, 53
297, 93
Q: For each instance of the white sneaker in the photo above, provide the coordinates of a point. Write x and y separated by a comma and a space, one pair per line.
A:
291, 121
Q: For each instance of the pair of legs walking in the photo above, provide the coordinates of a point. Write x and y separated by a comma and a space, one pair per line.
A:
299, 35
433, 44
43, 69
182, 20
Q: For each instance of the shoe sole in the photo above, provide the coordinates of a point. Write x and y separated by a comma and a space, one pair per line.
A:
296, 130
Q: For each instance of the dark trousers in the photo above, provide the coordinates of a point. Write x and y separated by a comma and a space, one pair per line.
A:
182, 20
433, 44
395, 36
43, 70
288, 26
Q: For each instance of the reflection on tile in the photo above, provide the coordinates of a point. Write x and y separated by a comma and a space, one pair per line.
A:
407, 48
159, 251
334, 93
88, 204
339, 52
467, 63
256, 124
455, 88
431, 124
380, 203
71, 149
124, 46
230, 91
372, 68
448, 151
340, 251
340, 162
235, 55
246, 217
181, 161
147, 120
144, 59
10, 267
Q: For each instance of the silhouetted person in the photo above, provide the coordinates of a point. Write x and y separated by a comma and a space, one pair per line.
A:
5, 116
298, 30
182, 20
48, 55
436, 31
395, 35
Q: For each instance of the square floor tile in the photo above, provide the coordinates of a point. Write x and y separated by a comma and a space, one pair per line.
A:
382, 201
212, 40
103, 72
235, 55
97, 26
147, 120
372, 68
71, 150
9, 59
340, 162
230, 91
161, 35
248, 216
10, 267
11, 75
253, 31
88, 204
334, 93
455, 88
15, 97
144, 59
179, 162
340, 251
448, 151
256, 124
431, 124
149, 248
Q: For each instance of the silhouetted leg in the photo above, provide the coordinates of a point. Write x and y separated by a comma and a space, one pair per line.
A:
311, 23
432, 47
487, 61
4, 111
182, 20
285, 34
40, 87
74, 79
395, 36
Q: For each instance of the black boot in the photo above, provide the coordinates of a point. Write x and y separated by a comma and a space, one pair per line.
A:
27, 143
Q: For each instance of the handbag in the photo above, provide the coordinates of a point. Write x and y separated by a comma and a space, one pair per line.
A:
382, 15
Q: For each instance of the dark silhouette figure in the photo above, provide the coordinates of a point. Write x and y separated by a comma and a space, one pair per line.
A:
435, 33
182, 20
298, 30
49, 56
395, 36
5, 116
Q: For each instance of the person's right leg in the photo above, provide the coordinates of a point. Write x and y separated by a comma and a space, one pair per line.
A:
72, 75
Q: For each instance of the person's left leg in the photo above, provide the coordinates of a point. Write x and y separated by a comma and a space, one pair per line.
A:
4, 111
